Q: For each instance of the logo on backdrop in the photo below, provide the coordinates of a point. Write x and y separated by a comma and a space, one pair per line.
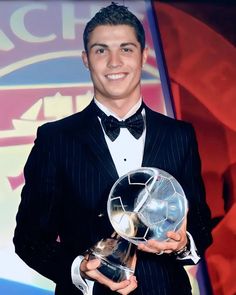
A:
42, 76
43, 79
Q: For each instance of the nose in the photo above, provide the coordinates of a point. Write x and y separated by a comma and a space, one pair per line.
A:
114, 60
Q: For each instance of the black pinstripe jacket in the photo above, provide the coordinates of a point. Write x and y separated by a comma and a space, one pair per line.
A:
69, 174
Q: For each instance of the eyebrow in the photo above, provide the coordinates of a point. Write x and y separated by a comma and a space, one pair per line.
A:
128, 44
106, 46
99, 45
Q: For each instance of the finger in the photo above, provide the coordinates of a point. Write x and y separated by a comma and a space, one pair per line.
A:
184, 224
89, 270
131, 287
179, 241
161, 246
114, 286
156, 245
88, 265
152, 246
175, 236
147, 248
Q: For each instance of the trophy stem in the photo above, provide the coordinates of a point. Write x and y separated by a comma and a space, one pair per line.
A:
118, 257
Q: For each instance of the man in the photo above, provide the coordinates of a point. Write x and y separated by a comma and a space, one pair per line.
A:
74, 164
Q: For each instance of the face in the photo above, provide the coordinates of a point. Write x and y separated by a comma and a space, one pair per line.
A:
115, 61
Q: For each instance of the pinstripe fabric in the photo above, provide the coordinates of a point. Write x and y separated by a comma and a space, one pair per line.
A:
69, 174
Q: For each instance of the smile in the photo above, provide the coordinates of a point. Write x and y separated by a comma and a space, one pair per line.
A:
115, 76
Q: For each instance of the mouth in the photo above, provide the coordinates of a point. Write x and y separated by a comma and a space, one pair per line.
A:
114, 77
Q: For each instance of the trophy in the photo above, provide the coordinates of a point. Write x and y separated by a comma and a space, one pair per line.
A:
143, 204
117, 257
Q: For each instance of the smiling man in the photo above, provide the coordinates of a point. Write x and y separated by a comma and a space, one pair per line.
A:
115, 58
75, 162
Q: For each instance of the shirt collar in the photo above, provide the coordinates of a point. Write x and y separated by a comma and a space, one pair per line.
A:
108, 112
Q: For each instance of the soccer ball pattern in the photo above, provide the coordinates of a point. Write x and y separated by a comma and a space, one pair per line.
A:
145, 204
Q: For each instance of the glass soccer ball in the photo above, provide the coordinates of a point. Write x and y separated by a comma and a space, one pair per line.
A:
145, 204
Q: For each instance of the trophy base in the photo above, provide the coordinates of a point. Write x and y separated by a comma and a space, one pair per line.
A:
114, 272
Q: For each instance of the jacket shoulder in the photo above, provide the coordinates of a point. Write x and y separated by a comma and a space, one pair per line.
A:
173, 123
68, 124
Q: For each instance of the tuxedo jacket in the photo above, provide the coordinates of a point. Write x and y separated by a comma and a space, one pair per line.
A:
68, 177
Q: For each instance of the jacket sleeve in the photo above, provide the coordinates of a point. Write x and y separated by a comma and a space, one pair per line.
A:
36, 232
199, 217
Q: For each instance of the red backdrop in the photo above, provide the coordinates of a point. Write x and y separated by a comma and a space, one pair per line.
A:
199, 45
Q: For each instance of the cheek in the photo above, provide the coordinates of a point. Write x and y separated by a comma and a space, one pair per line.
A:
96, 77
136, 65
97, 62
138, 71
97, 69
94, 71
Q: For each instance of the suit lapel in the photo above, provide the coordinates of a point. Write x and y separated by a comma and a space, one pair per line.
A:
155, 138
96, 147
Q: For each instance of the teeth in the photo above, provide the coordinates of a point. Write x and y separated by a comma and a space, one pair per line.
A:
115, 76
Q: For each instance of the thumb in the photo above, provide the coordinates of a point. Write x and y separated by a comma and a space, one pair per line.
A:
91, 264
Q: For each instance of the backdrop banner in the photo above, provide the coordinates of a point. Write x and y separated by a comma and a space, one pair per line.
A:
42, 79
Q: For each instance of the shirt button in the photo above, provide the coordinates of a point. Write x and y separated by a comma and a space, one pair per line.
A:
81, 287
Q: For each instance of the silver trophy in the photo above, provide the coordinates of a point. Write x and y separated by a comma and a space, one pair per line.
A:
143, 204
117, 257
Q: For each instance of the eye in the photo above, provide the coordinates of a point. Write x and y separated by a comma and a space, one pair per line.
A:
126, 49
100, 50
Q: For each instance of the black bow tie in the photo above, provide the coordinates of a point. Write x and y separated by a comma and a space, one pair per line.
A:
111, 125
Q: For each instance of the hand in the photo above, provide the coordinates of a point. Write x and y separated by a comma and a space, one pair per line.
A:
177, 241
88, 269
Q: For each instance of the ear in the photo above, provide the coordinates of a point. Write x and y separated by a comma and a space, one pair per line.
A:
145, 55
85, 59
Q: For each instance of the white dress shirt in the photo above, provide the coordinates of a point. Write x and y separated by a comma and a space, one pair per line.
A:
127, 154
126, 151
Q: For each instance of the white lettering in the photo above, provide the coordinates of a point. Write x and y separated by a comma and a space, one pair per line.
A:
17, 23
5, 42
69, 21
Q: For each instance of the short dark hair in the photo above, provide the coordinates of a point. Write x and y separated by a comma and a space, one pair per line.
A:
115, 15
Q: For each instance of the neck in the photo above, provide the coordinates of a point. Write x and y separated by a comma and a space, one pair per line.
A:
119, 107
